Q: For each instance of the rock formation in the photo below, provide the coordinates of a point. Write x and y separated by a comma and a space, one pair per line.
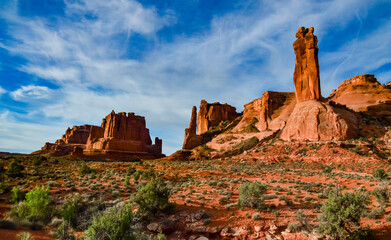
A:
314, 120
192, 140
120, 134
271, 111
306, 75
363, 93
211, 115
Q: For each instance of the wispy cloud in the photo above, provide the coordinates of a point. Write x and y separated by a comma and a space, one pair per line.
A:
2, 91
31, 92
241, 54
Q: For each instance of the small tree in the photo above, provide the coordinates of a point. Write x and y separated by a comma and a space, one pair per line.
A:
341, 213
14, 169
250, 195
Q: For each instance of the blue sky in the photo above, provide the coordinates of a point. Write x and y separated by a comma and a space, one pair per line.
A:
70, 62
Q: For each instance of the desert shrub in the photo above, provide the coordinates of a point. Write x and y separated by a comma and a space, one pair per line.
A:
247, 144
341, 213
36, 207
256, 216
116, 223
14, 169
137, 175
71, 208
18, 195
130, 170
376, 213
153, 197
127, 180
211, 133
251, 128
64, 232
380, 174
381, 194
302, 222
250, 195
149, 174
84, 170
37, 160
25, 236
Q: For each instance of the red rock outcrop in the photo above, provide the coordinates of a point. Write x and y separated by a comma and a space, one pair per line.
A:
363, 93
306, 75
76, 135
122, 132
120, 135
271, 111
192, 140
314, 120
211, 114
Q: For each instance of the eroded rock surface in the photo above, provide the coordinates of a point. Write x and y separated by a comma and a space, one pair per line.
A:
192, 140
314, 120
306, 75
212, 114
363, 93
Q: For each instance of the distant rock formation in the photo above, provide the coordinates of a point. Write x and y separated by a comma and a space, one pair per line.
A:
363, 93
192, 140
306, 75
211, 115
119, 134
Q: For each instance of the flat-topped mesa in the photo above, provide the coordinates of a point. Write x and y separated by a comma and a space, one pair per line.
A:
192, 140
306, 75
122, 132
211, 115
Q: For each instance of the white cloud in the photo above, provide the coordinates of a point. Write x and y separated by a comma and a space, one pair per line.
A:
31, 92
2, 91
87, 59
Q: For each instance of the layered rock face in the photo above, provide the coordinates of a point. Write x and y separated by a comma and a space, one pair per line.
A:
76, 135
314, 120
122, 133
192, 140
211, 115
271, 111
363, 93
119, 134
306, 75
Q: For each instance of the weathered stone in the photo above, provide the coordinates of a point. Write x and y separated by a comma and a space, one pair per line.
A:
306, 75
211, 115
363, 93
314, 120
192, 140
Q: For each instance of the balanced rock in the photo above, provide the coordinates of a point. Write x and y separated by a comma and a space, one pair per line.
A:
306, 75
314, 120
211, 115
192, 140
363, 93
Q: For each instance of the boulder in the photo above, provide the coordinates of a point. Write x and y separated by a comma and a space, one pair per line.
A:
211, 115
314, 120
306, 75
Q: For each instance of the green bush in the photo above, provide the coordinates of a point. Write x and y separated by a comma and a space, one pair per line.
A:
37, 160
36, 207
25, 236
71, 208
84, 170
302, 222
380, 174
247, 144
341, 213
126, 181
381, 194
153, 197
251, 195
18, 195
130, 170
14, 169
116, 223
